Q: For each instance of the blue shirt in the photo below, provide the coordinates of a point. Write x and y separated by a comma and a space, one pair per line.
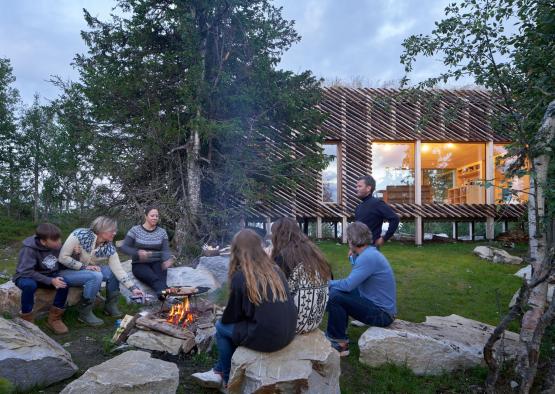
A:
373, 277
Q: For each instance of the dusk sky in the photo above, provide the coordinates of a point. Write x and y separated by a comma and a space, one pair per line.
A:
349, 39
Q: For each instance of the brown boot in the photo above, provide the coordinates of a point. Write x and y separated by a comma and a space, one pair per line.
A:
55, 321
29, 316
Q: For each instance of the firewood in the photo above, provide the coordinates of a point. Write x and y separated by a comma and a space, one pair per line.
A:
124, 329
164, 327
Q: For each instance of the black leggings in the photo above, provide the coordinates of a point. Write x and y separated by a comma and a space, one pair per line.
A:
152, 274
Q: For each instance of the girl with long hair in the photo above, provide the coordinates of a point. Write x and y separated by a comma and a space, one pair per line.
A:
306, 270
260, 313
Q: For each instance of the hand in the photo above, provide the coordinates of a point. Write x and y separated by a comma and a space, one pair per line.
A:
59, 283
138, 293
92, 268
77, 249
379, 242
168, 263
143, 255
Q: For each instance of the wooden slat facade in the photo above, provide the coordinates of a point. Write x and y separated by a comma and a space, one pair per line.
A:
357, 117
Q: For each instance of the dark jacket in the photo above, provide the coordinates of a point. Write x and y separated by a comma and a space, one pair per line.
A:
267, 327
373, 212
37, 262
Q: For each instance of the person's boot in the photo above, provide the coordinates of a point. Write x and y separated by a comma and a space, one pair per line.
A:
86, 314
54, 321
29, 316
111, 304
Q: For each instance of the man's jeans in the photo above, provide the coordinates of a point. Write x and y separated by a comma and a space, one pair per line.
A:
28, 288
226, 348
91, 280
341, 305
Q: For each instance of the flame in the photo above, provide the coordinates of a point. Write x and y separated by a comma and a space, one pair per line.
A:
181, 313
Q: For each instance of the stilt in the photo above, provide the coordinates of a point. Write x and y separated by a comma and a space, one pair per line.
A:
418, 230
318, 228
490, 228
344, 230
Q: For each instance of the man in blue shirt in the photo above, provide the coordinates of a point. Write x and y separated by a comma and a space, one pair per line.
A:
368, 294
374, 211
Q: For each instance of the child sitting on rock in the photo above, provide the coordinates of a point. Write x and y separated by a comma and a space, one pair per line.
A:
260, 313
37, 266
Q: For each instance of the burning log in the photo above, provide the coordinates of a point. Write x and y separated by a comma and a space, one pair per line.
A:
161, 325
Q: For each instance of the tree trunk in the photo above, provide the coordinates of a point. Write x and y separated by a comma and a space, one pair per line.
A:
36, 188
540, 258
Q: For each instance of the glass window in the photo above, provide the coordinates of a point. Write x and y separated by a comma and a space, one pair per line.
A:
393, 170
330, 189
508, 190
453, 173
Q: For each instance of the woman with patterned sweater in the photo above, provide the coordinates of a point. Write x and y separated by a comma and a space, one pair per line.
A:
147, 244
83, 250
306, 270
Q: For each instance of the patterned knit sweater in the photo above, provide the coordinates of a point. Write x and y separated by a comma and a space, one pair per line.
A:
85, 239
153, 241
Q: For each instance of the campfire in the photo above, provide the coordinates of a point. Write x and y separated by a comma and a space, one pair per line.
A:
181, 314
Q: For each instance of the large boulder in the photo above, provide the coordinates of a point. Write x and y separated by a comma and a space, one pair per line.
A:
307, 365
130, 372
29, 357
10, 298
496, 255
526, 272
178, 276
217, 265
430, 348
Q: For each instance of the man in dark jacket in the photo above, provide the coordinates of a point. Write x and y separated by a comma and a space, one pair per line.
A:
373, 211
37, 266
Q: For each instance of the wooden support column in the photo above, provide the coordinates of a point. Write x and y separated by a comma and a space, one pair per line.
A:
268, 225
490, 195
471, 231
454, 230
318, 228
344, 230
418, 224
335, 229
504, 226
305, 226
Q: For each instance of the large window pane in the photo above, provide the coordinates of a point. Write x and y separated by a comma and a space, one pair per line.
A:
453, 173
330, 189
508, 190
393, 170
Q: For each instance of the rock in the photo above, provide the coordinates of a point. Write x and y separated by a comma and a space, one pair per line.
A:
307, 365
10, 298
496, 255
130, 372
218, 266
527, 272
178, 276
153, 340
29, 357
205, 338
430, 348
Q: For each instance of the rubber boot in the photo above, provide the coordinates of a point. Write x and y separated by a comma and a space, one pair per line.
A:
86, 314
29, 316
54, 321
111, 304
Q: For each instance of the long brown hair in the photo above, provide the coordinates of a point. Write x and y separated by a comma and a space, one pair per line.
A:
261, 274
294, 247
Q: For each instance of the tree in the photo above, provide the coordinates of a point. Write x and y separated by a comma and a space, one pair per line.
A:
9, 139
508, 47
193, 111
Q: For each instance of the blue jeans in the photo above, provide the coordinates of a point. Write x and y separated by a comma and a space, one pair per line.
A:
341, 305
28, 287
226, 348
91, 280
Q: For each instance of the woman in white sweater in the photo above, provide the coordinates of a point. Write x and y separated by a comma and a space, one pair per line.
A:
85, 249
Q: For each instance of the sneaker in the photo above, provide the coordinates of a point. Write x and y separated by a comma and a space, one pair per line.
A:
341, 347
209, 379
357, 323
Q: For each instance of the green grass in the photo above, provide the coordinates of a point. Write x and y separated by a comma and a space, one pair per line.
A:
436, 279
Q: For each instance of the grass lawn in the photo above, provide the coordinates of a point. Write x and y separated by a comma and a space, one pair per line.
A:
436, 279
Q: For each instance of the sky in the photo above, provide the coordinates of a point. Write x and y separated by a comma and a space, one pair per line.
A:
346, 40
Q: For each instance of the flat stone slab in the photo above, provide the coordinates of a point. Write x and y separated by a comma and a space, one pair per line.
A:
30, 358
10, 298
130, 372
439, 344
152, 340
307, 365
496, 255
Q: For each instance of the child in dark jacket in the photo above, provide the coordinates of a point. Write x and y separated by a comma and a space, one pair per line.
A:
37, 266
260, 313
